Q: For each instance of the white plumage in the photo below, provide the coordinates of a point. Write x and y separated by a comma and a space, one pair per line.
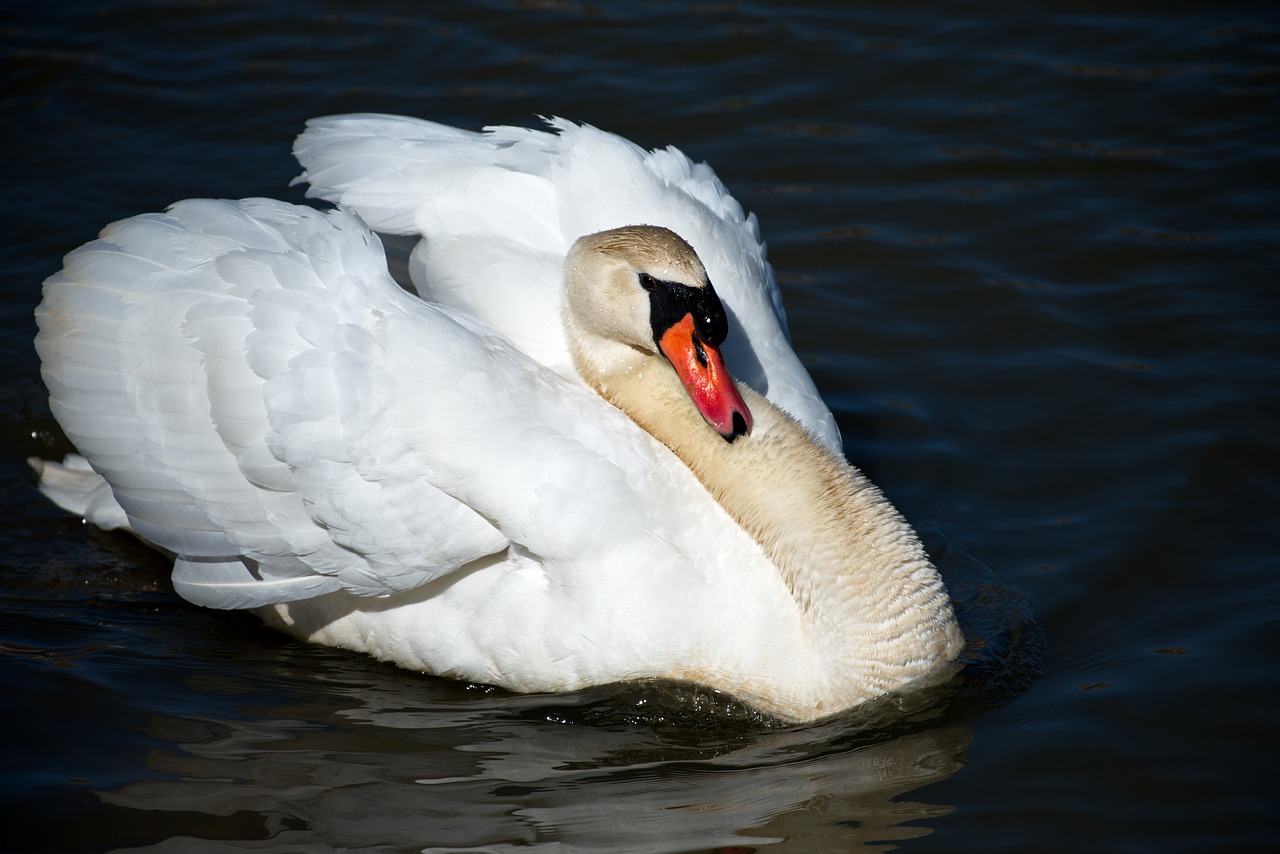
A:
430, 479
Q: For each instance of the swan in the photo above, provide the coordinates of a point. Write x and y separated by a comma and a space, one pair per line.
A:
534, 470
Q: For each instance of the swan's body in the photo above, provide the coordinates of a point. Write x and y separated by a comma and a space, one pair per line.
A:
482, 483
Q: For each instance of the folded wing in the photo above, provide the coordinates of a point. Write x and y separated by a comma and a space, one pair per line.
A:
231, 369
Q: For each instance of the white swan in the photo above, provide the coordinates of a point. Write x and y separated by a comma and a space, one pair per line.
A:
481, 484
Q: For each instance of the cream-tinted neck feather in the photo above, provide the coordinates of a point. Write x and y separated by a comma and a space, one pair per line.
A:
878, 617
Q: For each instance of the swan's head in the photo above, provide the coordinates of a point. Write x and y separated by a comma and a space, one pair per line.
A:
642, 290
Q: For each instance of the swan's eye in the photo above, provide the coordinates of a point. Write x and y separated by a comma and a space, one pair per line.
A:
670, 302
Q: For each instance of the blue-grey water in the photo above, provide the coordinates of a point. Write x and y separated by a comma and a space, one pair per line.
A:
1030, 254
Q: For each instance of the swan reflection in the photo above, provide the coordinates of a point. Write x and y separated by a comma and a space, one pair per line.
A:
384, 768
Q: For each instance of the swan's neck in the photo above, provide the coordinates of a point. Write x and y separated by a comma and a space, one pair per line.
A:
876, 612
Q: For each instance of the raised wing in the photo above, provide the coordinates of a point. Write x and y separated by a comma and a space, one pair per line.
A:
499, 209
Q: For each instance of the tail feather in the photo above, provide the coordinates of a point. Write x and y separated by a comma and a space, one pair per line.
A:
77, 488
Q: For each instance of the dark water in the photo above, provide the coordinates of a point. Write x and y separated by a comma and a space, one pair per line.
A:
1030, 254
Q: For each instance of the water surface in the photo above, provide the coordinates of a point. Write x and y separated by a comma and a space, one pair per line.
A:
1029, 254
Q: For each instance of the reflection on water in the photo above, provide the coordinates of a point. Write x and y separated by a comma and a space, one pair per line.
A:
447, 778
326, 749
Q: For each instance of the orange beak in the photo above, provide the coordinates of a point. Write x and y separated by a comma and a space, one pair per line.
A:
706, 379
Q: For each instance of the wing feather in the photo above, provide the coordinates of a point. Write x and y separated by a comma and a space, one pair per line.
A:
215, 364
480, 199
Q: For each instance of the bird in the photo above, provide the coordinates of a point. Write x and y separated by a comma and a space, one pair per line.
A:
574, 448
